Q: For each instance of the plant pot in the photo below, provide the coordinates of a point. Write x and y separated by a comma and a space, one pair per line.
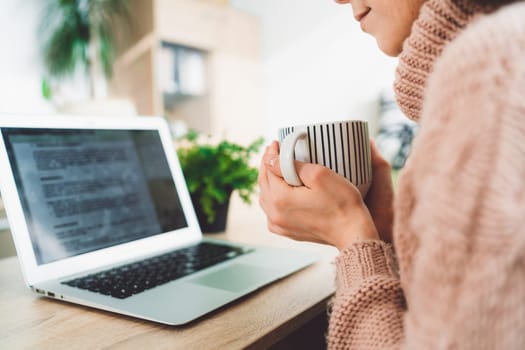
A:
221, 216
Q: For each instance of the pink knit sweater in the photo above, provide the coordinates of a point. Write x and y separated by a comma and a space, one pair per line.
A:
459, 230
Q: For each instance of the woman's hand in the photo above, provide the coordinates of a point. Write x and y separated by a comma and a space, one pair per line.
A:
380, 197
327, 209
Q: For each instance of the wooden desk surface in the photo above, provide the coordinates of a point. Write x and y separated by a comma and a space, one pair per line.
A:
255, 321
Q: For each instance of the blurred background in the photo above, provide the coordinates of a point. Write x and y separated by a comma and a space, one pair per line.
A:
244, 67
237, 69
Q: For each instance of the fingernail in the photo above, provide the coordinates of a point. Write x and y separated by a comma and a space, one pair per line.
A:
271, 162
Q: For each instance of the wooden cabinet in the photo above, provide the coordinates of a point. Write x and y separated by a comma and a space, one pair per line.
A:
230, 41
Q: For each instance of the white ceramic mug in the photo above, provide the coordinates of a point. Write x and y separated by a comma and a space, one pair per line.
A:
342, 146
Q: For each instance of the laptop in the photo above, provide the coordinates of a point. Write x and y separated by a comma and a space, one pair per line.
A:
101, 216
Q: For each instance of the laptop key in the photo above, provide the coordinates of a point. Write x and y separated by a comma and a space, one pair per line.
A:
125, 281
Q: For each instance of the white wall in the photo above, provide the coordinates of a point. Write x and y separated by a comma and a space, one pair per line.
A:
318, 63
20, 69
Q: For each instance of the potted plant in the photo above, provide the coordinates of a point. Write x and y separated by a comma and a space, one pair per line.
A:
79, 35
213, 172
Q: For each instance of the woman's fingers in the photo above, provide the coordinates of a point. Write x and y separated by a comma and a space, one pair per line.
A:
308, 173
377, 159
380, 197
271, 159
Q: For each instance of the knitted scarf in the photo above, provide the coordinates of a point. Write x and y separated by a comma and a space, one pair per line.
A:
439, 22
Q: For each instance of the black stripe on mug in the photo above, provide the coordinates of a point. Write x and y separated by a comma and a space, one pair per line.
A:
360, 153
309, 144
342, 150
357, 179
336, 145
322, 145
329, 145
363, 145
368, 157
349, 154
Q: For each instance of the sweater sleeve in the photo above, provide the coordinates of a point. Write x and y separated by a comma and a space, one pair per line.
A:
368, 307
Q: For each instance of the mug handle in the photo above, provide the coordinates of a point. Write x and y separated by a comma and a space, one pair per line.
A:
286, 157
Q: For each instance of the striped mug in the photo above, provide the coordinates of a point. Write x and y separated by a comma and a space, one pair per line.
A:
342, 146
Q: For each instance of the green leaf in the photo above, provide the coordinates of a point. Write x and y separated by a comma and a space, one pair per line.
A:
46, 89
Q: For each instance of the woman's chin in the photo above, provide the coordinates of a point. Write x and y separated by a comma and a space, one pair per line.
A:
389, 48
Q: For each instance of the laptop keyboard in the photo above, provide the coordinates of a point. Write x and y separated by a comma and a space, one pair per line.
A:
124, 281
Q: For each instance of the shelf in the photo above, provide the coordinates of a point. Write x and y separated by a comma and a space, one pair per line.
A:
4, 224
232, 101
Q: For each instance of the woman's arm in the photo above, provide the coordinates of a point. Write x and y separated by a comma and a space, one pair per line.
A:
369, 301
367, 310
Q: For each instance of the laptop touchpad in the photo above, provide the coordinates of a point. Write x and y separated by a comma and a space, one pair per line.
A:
236, 278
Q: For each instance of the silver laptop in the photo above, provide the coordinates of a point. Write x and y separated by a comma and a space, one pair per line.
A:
101, 216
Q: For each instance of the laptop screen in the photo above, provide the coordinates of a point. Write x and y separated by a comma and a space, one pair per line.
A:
84, 190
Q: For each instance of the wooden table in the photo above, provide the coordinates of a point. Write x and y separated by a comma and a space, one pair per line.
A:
257, 321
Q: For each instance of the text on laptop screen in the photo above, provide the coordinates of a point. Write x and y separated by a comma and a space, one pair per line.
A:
84, 190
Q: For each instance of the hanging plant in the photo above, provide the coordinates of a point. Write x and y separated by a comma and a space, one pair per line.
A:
79, 33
